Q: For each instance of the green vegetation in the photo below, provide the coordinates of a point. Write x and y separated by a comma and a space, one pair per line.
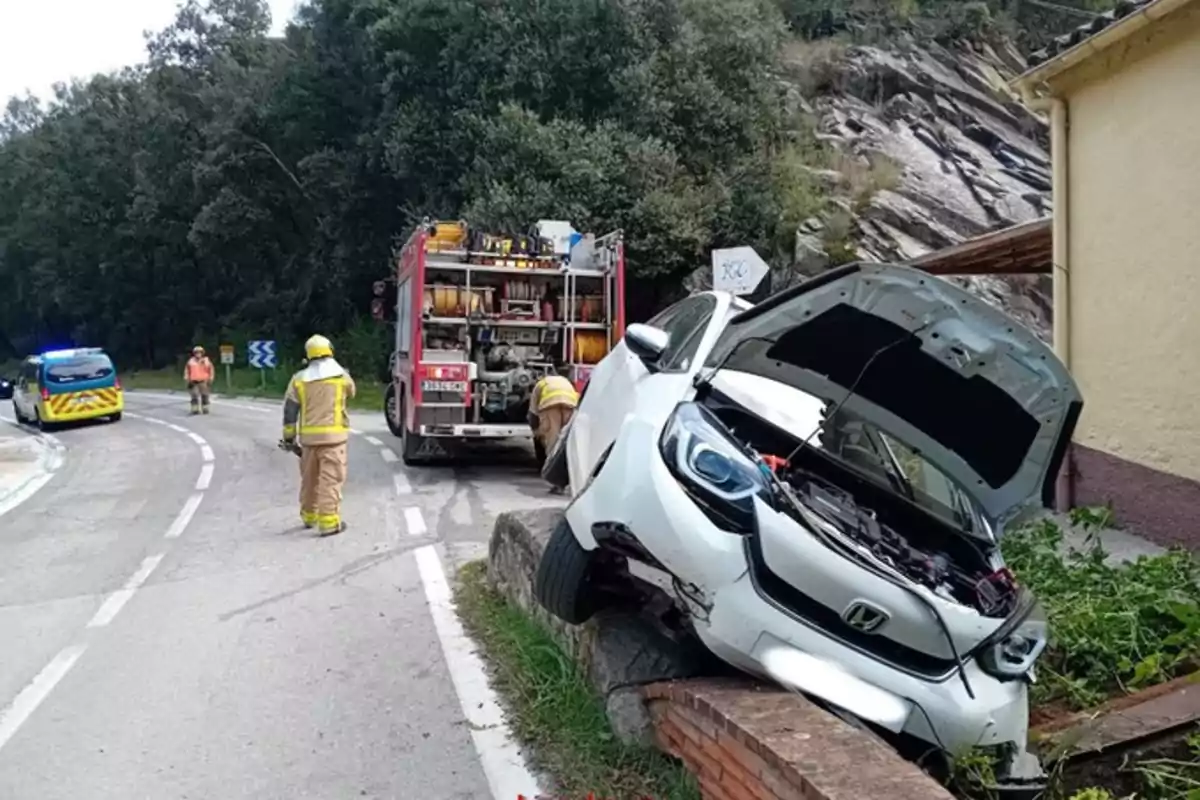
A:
247, 382
552, 707
1115, 628
243, 186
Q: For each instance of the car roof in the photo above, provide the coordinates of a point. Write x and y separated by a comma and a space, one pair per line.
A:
71, 352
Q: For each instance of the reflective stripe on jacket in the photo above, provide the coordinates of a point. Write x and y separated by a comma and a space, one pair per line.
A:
553, 390
198, 369
314, 408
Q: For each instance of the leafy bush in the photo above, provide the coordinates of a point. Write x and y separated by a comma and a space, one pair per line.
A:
1114, 628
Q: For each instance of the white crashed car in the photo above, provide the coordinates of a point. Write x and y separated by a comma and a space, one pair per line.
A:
825, 477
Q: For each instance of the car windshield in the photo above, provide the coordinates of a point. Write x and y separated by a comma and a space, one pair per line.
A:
888, 459
78, 370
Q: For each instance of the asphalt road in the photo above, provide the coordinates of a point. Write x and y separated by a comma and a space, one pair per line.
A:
169, 630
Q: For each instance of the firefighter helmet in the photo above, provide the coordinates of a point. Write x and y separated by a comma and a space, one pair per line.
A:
317, 347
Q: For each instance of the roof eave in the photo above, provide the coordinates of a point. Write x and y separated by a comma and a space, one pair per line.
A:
1027, 83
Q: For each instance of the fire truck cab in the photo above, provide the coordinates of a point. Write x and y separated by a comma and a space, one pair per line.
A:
480, 318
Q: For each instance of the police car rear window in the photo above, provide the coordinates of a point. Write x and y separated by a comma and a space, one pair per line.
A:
78, 370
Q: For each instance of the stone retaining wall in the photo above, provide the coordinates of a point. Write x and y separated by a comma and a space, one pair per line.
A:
742, 739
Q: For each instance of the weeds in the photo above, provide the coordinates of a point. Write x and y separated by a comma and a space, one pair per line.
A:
1115, 628
552, 707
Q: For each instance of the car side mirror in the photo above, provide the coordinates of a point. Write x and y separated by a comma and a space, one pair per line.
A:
646, 342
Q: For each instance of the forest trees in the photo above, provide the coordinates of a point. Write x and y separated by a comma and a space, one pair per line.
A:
243, 184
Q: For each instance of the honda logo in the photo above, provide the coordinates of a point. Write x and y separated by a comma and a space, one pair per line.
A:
865, 617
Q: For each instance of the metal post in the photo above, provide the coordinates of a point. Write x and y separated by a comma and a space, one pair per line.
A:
228, 378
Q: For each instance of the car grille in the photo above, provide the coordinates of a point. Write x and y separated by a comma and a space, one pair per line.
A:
805, 609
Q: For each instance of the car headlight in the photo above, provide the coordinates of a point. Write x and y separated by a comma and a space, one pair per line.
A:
1009, 653
713, 469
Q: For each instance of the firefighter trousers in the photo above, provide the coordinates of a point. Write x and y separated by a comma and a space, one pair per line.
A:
551, 422
199, 390
322, 476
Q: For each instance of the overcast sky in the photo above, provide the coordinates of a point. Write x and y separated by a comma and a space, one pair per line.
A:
45, 41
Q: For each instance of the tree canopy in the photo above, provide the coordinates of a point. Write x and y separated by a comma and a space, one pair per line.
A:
247, 186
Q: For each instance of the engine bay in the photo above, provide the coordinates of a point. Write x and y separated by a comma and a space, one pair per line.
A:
954, 576
866, 520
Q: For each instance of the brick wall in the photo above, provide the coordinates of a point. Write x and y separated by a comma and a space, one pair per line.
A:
746, 741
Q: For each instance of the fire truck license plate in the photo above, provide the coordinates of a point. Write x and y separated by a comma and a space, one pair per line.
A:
444, 386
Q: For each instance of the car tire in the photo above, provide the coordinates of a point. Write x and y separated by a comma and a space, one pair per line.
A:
554, 463
115, 417
539, 452
563, 584
17, 413
391, 412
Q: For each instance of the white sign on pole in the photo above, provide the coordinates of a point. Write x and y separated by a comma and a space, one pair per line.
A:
738, 270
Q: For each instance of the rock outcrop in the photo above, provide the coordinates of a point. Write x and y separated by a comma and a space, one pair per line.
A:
929, 147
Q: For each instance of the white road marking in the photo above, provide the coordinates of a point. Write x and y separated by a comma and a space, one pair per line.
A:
185, 516
206, 452
133, 415
505, 768
197, 438
374, 441
414, 521
400, 481
177, 428
356, 431
25, 703
117, 600
206, 473
388, 456
49, 460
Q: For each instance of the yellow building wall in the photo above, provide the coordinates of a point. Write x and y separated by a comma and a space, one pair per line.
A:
1134, 212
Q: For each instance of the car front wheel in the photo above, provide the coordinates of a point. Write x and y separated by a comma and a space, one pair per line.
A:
564, 584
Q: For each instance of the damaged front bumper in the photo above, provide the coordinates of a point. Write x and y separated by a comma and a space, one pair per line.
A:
741, 625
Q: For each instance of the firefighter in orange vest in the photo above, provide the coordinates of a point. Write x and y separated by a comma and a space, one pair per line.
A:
551, 406
315, 418
198, 374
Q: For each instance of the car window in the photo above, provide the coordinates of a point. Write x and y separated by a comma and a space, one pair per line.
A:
687, 330
75, 370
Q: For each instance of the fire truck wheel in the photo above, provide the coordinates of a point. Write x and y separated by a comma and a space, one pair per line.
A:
391, 412
411, 444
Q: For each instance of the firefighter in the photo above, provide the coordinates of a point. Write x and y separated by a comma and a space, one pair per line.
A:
315, 418
198, 374
551, 405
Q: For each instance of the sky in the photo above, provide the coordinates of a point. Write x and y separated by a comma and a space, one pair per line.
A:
46, 41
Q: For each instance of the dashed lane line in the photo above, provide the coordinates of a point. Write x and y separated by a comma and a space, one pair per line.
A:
414, 521
388, 456
22, 707
16, 713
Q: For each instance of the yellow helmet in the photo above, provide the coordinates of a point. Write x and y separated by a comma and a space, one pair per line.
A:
317, 347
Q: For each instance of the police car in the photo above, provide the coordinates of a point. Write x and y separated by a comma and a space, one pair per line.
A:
68, 386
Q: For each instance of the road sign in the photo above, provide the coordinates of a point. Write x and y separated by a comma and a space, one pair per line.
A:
262, 354
226, 354
738, 270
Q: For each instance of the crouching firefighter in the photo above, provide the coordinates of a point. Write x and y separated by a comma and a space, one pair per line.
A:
551, 405
315, 418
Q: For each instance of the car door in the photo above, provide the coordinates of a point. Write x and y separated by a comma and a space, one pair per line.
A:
620, 380
25, 389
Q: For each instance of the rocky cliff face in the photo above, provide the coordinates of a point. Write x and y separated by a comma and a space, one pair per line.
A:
931, 148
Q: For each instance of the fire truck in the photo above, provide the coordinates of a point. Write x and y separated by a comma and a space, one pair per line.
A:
481, 317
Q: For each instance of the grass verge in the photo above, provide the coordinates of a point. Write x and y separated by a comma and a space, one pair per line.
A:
553, 709
245, 382
1115, 628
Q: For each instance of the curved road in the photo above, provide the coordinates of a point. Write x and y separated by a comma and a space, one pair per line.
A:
170, 631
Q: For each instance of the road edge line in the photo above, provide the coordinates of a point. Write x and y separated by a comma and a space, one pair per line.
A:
503, 763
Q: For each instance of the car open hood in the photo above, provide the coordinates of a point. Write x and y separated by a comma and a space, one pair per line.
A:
969, 388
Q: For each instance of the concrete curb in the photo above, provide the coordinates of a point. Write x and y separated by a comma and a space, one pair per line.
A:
50, 455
